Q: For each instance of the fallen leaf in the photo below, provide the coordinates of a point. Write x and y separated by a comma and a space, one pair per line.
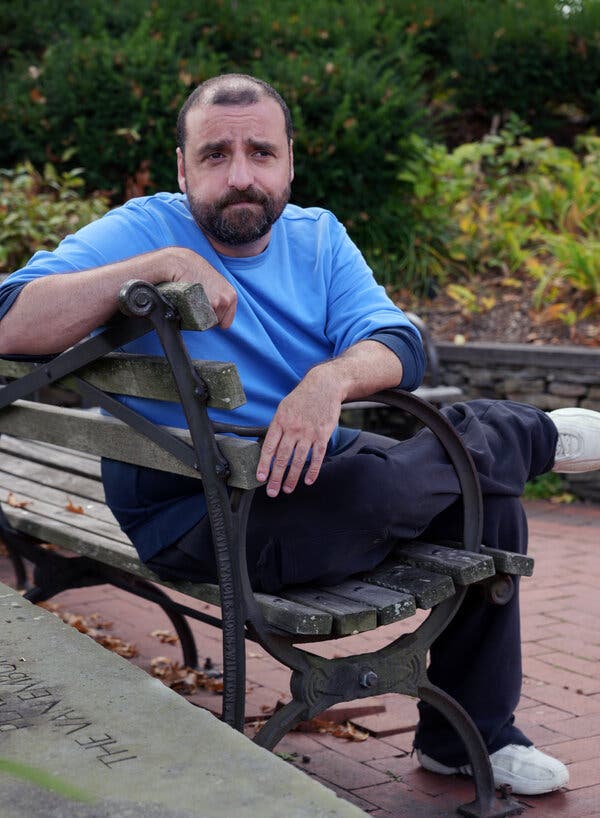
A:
183, 679
116, 645
73, 508
166, 637
80, 623
12, 501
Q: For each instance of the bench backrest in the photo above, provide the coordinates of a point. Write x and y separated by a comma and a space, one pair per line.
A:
137, 376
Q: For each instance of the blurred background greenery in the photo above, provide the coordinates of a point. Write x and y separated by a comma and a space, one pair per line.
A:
452, 137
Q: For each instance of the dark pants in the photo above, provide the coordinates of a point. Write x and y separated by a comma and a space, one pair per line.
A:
379, 490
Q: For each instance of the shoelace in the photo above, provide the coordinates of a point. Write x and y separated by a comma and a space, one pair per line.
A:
567, 445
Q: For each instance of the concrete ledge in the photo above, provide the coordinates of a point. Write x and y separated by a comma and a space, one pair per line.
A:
84, 733
550, 356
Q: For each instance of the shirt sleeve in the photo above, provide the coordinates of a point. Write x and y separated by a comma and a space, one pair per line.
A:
8, 295
409, 350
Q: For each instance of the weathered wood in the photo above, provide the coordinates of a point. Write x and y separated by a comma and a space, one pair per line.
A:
45, 499
147, 376
79, 525
391, 606
427, 588
293, 617
348, 616
47, 476
191, 303
506, 562
82, 464
465, 567
88, 431
115, 550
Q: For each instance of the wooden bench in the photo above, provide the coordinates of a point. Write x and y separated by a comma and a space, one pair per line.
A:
51, 454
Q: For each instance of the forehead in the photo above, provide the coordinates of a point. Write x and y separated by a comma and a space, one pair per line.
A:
262, 120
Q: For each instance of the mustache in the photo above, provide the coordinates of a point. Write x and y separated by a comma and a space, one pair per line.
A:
249, 196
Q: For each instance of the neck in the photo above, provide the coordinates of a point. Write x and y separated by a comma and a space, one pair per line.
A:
253, 248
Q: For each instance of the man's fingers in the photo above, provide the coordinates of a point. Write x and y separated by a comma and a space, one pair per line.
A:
298, 463
318, 455
267, 453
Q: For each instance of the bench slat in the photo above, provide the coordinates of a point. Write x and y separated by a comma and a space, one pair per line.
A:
391, 606
348, 616
89, 431
81, 464
465, 567
296, 619
192, 304
427, 588
40, 477
39, 513
42, 498
147, 376
506, 562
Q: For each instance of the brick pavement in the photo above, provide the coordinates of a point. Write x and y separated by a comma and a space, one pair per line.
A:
559, 710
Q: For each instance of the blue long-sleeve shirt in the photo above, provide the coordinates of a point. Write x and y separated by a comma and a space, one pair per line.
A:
306, 298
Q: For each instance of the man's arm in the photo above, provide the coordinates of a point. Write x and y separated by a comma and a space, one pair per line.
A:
306, 418
55, 311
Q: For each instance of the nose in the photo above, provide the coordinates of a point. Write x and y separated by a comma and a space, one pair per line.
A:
240, 173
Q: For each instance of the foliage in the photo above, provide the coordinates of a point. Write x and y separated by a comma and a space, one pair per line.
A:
370, 85
539, 59
38, 209
548, 486
110, 93
512, 206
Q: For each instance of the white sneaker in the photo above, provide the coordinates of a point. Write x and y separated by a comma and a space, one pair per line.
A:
578, 446
527, 770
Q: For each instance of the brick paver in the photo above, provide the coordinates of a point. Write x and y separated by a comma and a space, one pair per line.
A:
560, 707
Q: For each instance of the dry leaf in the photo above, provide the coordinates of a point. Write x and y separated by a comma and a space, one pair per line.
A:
12, 501
73, 508
167, 637
345, 730
183, 679
80, 623
116, 645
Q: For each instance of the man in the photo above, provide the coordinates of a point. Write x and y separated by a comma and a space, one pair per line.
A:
303, 319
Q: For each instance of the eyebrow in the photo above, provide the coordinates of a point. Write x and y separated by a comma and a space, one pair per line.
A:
221, 144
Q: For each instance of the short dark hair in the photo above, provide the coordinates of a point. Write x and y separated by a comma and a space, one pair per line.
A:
231, 89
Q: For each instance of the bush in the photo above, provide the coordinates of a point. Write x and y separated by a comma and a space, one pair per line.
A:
104, 81
38, 209
539, 59
514, 207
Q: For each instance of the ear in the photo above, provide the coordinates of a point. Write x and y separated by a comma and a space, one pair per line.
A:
291, 160
181, 170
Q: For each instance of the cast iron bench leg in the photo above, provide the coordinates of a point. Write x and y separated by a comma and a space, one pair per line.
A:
486, 804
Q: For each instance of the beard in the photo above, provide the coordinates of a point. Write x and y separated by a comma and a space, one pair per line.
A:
241, 225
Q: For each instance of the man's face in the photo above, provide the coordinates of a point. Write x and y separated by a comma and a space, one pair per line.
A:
236, 172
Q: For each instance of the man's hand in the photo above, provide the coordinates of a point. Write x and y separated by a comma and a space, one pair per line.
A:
221, 295
304, 421
79, 302
306, 418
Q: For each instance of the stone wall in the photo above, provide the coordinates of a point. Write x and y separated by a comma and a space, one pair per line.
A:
548, 377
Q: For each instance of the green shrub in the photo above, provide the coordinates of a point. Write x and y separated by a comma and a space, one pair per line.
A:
539, 59
511, 206
38, 209
350, 72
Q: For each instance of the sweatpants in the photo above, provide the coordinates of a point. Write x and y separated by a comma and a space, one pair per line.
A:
379, 491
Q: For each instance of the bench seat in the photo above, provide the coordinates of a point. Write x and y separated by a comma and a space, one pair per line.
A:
44, 486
